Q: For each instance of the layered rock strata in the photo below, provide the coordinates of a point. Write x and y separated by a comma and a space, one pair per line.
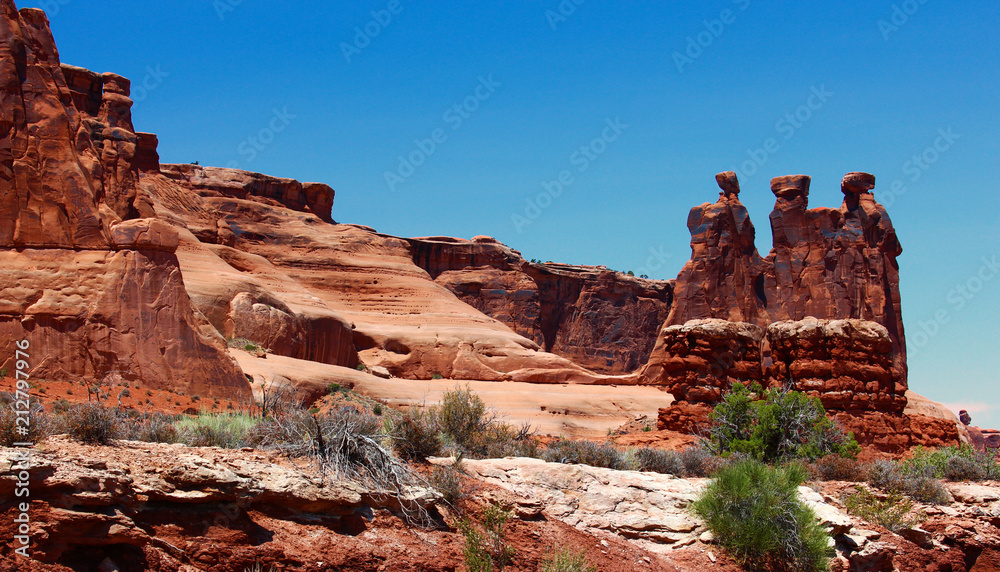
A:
93, 286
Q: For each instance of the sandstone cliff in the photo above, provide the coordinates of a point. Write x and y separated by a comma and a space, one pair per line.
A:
93, 286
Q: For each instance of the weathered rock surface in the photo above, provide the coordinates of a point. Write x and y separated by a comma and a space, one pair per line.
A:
603, 320
830, 264
94, 287
846, 363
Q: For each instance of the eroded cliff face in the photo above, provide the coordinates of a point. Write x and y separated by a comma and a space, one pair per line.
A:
603, 320
95, 287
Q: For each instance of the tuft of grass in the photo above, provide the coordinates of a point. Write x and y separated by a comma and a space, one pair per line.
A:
891, 511
755, 514
566, 560
486, 548
227, 430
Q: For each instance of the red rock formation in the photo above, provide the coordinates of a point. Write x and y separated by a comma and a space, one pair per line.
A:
846, 363
703, 358
603, 320
93, 288
725, 276
826, 263
835, 263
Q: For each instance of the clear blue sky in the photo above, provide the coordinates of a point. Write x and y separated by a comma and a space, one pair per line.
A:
892, 75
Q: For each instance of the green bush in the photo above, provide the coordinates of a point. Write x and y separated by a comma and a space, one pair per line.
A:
658, 461
486, 548
755, 514
227, 431
93, 423
913, 480
957, 463
566, 560
776, 425
333, 388
891, 511
586, 453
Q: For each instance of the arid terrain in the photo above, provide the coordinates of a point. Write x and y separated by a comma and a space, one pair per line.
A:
192, 290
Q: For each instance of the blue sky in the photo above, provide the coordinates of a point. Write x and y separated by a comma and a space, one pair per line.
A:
660, 95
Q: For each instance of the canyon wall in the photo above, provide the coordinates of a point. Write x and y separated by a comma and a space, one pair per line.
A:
90, 281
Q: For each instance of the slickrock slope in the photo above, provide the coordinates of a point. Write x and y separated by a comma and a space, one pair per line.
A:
603, 320
257, 267
94, 287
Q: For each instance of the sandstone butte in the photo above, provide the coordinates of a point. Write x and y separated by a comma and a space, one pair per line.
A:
117, 265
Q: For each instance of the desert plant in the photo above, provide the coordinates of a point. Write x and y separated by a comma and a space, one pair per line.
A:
698, 461
566, 560
227, 431
448, 481
437, 376
93, 423
415, 434
658, 461
486, 548
585, 453
776, 425
891, 511
755, 514
377, 409
957, 463
151, 428
30, 426
927, 490
333, 388
836, 468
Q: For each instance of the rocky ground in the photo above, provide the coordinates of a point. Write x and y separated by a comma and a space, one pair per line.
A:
142, 506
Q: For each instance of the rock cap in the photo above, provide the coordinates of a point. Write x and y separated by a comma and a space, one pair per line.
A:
857, 183
791, 186
728, 182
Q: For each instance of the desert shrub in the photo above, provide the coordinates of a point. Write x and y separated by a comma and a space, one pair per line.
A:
92, 423
448, 482
33, 427
377, 409
227, 431
755, 514
927, 490
333, 388
891, 511
61, 406
585, 453
961, 463
151, 428
658, 461
416, 434
775, 425
836, 468
566, 560
884, 474
486, 548
698, 461
463, 414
